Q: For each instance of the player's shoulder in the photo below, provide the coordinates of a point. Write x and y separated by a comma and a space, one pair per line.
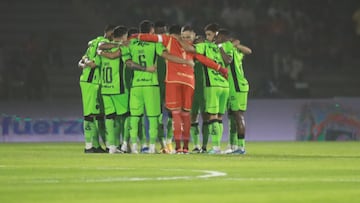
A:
95, 40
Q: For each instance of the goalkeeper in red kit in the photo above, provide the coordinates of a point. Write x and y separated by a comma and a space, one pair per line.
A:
179, 82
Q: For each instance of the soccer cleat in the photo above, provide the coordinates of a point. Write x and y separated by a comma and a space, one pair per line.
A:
88, 151
152, 149
196, 150
114, 150
213, 151
169, 148
144, 150
239, 151
100, 150
179, 151
134, 149
124, 147
164, 151
229, 150
203, 150
185, 151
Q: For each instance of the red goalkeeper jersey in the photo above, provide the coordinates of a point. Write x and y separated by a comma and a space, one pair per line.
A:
178, 73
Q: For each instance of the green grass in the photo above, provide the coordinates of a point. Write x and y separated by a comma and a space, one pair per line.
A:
270, 172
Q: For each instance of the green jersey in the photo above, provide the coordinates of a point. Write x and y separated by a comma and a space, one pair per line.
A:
144, 54
113, 73
211, 77
237, 80
161, 70
92, 75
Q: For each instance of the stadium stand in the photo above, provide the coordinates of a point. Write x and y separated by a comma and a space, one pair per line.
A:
301, 49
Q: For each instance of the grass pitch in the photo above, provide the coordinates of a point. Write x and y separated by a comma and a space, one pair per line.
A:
269, 172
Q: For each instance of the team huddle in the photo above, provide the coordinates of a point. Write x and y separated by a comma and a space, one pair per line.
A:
152, 70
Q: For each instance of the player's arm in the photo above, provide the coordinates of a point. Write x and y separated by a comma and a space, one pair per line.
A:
176, 59
211, 64
85, 62
227, 59
81, 64
110, 55
134, 66
107, 45
160, 38
244, 49
149, 37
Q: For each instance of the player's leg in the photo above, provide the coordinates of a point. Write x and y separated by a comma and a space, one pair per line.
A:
153, 110
89, 93
194, 130
161, 135
169, 132
161, 131
100, 118
100, 125
89, 133
136, 105
142, 134
223, 99
232, 133
239, 106
125, 132
118, 126
110, 116
212, 108
121, 102
205, 132
173, 103
187, 100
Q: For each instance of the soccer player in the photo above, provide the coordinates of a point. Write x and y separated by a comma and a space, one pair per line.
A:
114, 92
179, 83
145, 92
216, 90
239, 88
91, 99
188, 34
166, 146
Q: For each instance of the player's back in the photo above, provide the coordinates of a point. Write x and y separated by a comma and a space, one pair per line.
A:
145, 54
112, 74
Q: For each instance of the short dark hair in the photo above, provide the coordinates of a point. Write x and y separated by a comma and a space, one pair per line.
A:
224, 32
160, 23
120, 31
186, 28
109, 27
145, 26
212, 27
175, 29
132, 30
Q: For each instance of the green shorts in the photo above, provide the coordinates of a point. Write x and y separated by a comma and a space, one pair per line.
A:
145, 98
90, 98
216, 99
238, 101
116, 103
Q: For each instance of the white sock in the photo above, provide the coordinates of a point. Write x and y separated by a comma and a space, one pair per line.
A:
152, 148
88, 145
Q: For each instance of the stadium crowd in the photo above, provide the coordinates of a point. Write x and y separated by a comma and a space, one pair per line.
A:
290, 38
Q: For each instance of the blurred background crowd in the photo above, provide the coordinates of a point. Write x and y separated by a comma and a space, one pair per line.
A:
301, 49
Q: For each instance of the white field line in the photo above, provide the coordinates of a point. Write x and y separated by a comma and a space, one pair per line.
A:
205, 174
310, 179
